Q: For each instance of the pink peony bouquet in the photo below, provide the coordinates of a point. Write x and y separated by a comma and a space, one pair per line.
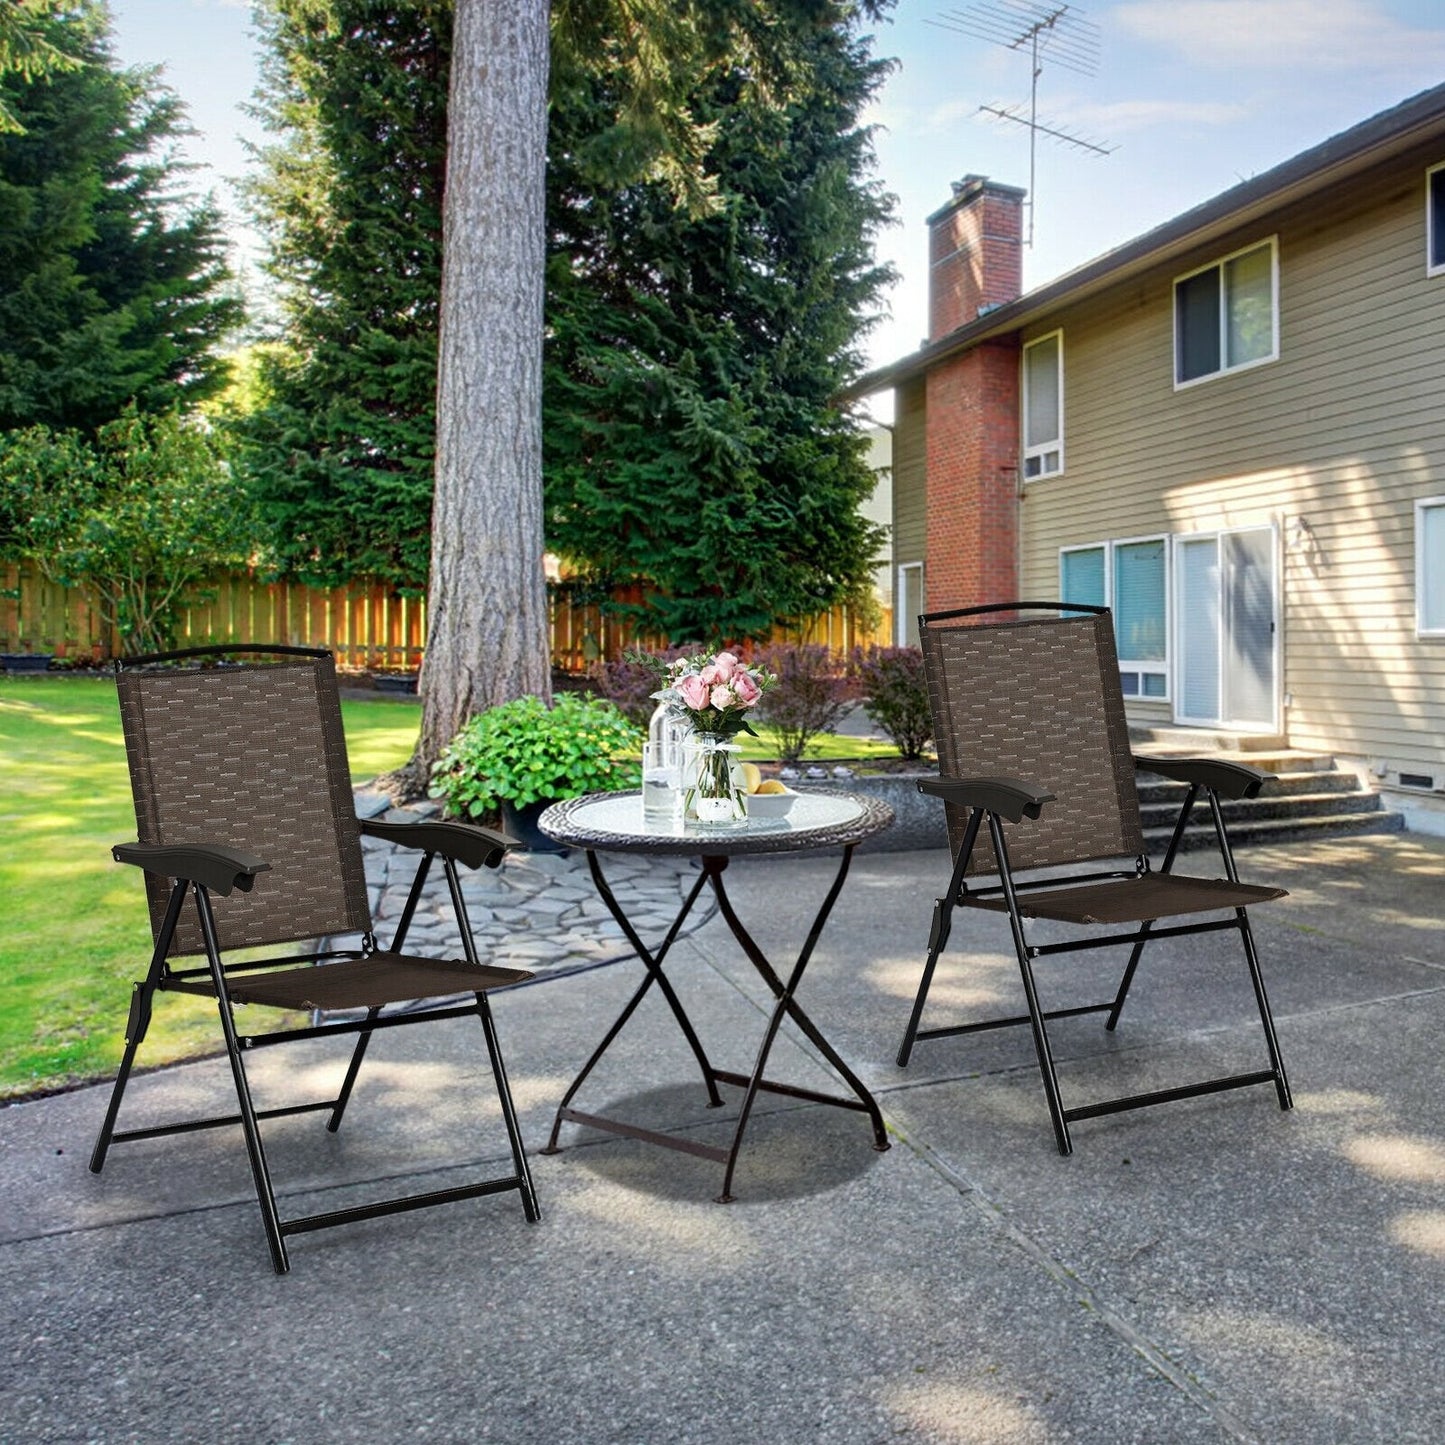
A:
713, 694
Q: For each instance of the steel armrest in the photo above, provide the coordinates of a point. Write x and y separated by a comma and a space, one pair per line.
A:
216, 869
1010, 798
467, 843
1227, 779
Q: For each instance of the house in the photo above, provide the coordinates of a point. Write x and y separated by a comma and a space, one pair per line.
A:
1230, 429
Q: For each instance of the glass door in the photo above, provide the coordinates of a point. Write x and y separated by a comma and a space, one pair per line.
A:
1228, 654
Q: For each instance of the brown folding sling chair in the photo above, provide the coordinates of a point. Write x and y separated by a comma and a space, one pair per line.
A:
1036, 773
243, 805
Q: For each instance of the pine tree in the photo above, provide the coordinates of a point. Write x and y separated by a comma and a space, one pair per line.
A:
693, 444
113, 283
340, 453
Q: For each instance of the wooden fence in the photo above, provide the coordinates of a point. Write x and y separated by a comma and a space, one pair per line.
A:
369, 628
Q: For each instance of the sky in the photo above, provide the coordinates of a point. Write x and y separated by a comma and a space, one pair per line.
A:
1189, 97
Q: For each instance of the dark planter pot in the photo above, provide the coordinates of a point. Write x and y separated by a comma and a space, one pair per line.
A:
521, 824
26, 661
403, 683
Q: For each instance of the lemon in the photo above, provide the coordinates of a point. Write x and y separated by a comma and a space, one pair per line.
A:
771, 786
753, 777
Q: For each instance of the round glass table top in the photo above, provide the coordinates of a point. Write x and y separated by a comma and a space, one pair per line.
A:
613, 822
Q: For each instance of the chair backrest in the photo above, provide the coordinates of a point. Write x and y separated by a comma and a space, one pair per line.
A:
1038, 698
250, 756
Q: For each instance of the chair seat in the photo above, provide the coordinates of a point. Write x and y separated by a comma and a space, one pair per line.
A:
378, 979
1132, 900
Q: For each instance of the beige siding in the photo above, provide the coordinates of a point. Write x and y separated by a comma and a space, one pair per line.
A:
910, 523
1332, 444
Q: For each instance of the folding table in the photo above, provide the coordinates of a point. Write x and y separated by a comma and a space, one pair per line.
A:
614, 823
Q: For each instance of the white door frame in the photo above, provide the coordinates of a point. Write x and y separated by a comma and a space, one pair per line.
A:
1271, 723
901, 613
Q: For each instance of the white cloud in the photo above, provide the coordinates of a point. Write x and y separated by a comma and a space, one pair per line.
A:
1121, 117
1319, 35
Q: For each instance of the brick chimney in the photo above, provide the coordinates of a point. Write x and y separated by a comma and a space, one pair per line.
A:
972, 400
975, 253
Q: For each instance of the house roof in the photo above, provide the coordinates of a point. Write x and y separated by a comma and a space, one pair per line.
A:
1377, 139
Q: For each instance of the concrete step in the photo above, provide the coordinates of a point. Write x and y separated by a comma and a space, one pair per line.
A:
1196, 741
1265, 808
1260, 832
1281, 785
1277, 760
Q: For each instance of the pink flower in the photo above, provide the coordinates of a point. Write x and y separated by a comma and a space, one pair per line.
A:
712, 675
726, 664
722, 698
695, 692
748, 692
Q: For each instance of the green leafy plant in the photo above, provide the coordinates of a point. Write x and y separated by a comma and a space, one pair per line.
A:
143, 513
525, 752
895, 695
811, 694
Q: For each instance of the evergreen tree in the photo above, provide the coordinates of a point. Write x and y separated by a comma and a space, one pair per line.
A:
340, 454
112, 284
709, 232
693, 445
25, 50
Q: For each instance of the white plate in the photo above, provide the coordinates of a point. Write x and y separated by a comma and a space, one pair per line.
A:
770, 805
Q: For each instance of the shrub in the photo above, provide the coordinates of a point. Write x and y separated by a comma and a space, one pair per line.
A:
630, 681
895, 695
812, 692
143, 513
525, 752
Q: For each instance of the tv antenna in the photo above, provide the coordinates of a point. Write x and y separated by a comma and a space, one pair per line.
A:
1058, 33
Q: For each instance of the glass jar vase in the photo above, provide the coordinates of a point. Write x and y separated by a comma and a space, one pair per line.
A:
714, 785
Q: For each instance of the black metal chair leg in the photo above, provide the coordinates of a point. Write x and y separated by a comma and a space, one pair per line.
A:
137, 1022
363, 1040
141, 996
1112, 1022
1266, 1018
265, 1195
938, 938
1036, 1019
528, 1191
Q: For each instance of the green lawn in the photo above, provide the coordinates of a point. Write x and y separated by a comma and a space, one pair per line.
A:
75, 932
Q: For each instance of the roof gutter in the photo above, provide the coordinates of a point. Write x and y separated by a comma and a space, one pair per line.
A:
1378, 139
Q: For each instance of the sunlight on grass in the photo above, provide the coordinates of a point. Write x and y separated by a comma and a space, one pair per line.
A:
76, 932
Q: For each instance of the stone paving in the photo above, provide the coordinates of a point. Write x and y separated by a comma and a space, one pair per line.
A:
539, 911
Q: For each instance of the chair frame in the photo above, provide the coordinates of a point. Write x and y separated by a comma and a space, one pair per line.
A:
992, 801
202, 870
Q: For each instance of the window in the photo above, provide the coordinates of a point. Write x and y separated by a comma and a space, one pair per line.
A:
1435, 220
1224, 316
909, 604
1128, 577
1043, 367
1430, 567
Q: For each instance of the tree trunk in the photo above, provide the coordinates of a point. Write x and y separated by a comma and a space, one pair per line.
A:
487, 634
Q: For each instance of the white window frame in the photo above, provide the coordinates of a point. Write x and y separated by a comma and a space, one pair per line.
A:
1218, 265
1434, 226
1423, 505
1041, 451
900, 611
1154, 667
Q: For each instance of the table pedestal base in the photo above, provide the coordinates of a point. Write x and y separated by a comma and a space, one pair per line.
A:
786, 1005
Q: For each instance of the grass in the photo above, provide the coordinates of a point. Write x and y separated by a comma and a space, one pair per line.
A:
74, 932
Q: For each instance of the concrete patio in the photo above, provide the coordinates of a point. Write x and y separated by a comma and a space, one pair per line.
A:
1214, 1270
